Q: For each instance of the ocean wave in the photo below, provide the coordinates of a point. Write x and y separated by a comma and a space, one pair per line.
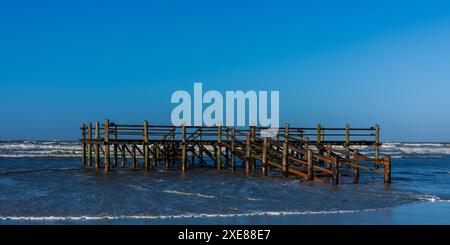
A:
416, 148
30, 148
188, 194
217, 215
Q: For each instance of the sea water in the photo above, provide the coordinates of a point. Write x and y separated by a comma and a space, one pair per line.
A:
43, 182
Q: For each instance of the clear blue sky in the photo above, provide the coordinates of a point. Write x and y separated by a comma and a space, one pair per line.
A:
362, 62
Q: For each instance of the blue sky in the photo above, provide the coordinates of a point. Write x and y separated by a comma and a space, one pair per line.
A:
362, 62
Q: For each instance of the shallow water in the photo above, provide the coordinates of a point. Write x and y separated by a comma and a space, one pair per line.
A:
55, 189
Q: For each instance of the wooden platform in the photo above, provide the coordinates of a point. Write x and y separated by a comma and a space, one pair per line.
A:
326, 157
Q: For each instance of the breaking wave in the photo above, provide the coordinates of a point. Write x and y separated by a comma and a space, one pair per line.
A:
262, 213
30, 148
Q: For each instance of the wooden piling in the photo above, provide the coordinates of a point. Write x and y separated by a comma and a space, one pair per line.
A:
97, 145
355, 167
328, 164
278, 140
83, 146
215, 154
115, 150
253, 137
90, 145
347, 141
166, 151
310, 165
227, 151
156, 153
264, 155
377, 144
200, 148
387, 169
285, 151
145, 147
322, 134
219, 148
172, 146
107, 160
347, 134
124, 156
152, 153
318, 133
192, 153
233, 149
247, 153
335, 171
134, 161
183, 148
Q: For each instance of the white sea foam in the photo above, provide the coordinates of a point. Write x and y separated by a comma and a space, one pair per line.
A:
254, 199
205, 215
431, 198
40, 149
416, 148
188, 194
73, 149
428, 198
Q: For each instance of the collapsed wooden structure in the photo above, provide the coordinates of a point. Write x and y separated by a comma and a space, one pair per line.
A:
328, 156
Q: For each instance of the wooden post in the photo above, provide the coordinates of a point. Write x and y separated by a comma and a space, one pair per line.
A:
151, 155
172, 146
285, 150
145, 147
356, 168
133, 150
200, 147
264, 155
310, 165
377, 140
192, 152
215, 154
233, 149
306, 143
347, 134
97, 145
90, 145
227, 151
318, 133
335, 171
83, 147
219, 147
247, 154
156, 154
377, 143
166, 151
124, 156
253, 161
106, 131
278, 140
347, 140
116, 157
387, 169
328, 164
183, 148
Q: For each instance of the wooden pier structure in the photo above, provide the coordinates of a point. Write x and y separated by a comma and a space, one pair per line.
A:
316, 154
